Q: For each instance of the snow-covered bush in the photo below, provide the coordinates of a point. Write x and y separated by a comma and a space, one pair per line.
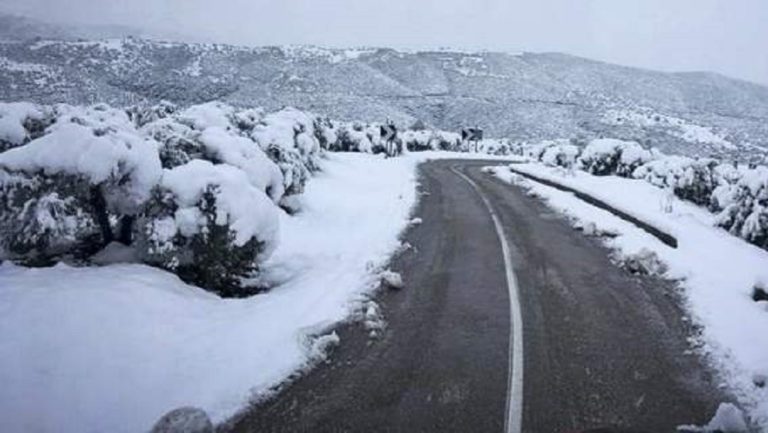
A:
21, 122
560, 155
73, 187
745, 207
278, 151
726, 192
444, 140
361, 137
739, 194
45, 216
177, 143
607, 156
141, 115
493, 146
354, 137
326, 132
210, 224
417, 140
288, 137
632, 157
690, 179
536, 151
193, 191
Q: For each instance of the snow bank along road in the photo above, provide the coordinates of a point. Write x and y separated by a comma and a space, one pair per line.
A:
600, 347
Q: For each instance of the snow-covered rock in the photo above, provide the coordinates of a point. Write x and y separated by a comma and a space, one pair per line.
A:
184, 420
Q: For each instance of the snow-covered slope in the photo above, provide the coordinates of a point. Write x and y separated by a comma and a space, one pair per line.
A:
522, 97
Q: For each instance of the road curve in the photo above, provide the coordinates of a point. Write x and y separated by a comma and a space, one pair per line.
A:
601, 348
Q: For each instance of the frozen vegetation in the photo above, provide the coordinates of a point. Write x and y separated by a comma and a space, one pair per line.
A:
736, 194
525, 96
125, 231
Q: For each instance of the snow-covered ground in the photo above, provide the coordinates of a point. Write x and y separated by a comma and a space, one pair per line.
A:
717, 269
114, 348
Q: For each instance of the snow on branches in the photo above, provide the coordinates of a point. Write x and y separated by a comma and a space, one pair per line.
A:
194, 191
737, 194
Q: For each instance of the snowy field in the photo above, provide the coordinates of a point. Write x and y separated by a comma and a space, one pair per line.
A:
717, 269
114, 348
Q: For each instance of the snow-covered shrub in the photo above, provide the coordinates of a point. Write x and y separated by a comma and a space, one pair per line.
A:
90, 169
745, 208
45, 216
192, 191
444, 140
417, 140
278, 151
536, 151
632, 157
690, 179
326, 133
141, 115
423, 139
493, 146
288, 137
560, 155
177, 143
202, 116
21, 122
357, 138
210, 224
607, 156
223, 147
727, 190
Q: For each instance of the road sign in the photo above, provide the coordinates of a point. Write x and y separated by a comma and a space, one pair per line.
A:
471, 134
388, 132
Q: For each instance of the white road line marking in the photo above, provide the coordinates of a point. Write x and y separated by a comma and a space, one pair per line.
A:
513, 418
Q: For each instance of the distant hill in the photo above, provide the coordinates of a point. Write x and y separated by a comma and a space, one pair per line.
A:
523, 97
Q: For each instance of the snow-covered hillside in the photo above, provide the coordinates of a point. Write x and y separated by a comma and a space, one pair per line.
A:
521, 97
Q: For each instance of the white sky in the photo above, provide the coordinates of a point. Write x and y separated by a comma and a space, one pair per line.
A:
726, 36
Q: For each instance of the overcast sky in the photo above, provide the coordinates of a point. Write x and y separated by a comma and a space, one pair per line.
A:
726, 36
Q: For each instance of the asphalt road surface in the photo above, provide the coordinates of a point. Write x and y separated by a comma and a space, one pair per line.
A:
601, 348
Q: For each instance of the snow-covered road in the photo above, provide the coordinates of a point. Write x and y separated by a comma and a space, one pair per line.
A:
115, 347
601, 347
